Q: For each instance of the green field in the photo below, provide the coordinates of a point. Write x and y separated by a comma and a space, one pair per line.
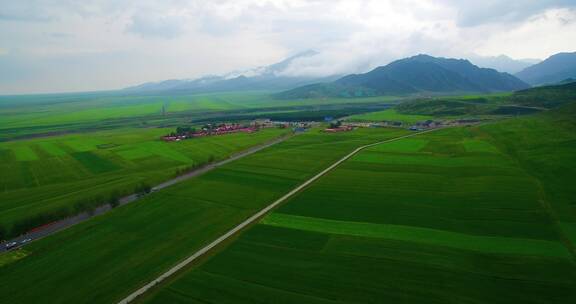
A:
468, 215
21, 116
47, 178
104, 259
389, 115
65, 153
482, 214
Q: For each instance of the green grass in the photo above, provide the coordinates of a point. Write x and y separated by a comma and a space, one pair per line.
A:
473, 215
406, 145
47, 178
94, 163
24, 153
469, 215
52, 148
550, 96
545, 149
12, 256
485, 106
106, 258
425, 236
475, 145
390, 115
21, 116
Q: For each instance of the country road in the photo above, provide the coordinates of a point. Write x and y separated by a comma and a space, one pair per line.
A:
253, 219
51, 228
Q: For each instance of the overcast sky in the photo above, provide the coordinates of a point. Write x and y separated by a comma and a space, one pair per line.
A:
84, 45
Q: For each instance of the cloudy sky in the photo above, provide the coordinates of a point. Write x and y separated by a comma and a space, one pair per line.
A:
67, 45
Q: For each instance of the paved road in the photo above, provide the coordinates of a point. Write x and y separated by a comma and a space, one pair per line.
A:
252, 219
56, 226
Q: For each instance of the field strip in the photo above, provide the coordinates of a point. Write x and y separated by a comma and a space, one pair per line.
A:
253, 219
423, 235
220, 163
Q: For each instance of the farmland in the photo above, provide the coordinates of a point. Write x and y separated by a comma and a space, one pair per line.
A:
458, 215
389, 115
464, 215
104, 259
21, 116
46, 178
287, 152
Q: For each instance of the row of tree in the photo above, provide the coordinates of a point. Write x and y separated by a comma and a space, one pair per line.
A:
335, 125
87, 204
194, 166
183, 130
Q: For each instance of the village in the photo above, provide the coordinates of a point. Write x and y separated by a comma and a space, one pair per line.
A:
182, 133
334, 126
345, 126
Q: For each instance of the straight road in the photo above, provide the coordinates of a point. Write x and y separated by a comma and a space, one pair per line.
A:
253, 219
51, 228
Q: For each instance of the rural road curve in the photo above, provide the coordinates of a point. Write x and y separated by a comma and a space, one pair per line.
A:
51, 228
253, 219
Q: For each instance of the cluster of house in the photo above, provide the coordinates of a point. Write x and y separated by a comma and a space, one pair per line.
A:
227, 128
418, 126
296, 126
346, 126
427, 124
210, 131
342, 128
262, 123
431, 124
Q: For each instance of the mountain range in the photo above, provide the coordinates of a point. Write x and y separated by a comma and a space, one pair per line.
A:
270, 77
418, 74
502, 63
554, 69
421, 74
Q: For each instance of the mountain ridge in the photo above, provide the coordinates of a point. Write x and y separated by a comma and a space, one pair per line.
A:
269, 77
502, 63
417, 74
553, 69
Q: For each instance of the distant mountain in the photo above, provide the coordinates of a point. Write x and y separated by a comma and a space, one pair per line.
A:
503, 63
567, 80
261, 78
418, 74
554, 69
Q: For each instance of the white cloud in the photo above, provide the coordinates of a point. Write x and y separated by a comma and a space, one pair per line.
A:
104, 44
156, 26
550, 32
478, 12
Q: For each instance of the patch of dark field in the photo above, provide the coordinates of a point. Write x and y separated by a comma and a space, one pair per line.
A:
296, 266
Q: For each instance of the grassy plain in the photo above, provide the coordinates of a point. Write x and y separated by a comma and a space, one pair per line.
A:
46, 178
25, 115
389, 115
469, 215
104, 259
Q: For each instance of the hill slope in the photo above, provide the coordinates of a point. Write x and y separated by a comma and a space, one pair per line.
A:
554, 69
546, 96
418, 74
520, 102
